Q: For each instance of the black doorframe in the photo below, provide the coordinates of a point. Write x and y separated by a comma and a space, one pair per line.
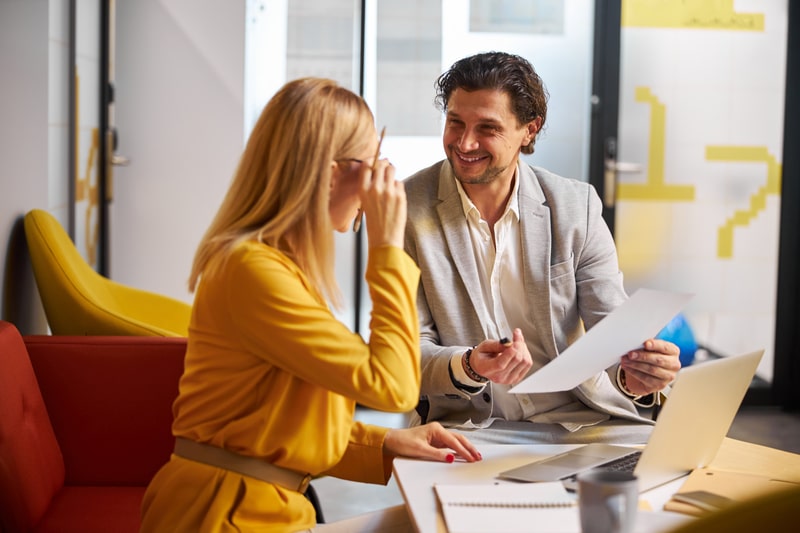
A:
359, 237
787, 334
104, 141
72, 119
605, 115
605, 93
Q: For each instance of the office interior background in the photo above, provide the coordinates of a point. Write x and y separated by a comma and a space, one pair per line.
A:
682, 114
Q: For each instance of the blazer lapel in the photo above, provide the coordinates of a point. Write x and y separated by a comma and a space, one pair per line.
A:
535, 233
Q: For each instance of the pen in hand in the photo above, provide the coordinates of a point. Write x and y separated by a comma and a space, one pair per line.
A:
360, 215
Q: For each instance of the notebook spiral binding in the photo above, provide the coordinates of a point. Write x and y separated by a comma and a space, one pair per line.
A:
514, 505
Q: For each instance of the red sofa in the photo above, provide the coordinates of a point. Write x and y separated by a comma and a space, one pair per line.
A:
85, 422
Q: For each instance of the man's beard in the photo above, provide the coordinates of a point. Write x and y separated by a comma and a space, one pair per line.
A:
488, 176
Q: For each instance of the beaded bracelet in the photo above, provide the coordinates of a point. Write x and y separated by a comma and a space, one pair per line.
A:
474, 376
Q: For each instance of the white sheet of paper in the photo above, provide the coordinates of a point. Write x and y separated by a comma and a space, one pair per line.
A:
639, 318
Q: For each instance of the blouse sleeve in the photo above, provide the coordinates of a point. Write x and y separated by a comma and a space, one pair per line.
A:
364, 459
276, 315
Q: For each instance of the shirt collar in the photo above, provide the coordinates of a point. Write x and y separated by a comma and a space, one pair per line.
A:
471, 211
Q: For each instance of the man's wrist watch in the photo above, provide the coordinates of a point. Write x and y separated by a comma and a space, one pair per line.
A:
474, 376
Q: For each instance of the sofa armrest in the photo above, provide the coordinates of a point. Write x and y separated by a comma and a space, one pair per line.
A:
110, 403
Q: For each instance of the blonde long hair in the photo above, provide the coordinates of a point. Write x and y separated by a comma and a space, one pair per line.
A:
280, 193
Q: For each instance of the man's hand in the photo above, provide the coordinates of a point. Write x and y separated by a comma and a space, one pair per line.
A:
500, 363
651, 369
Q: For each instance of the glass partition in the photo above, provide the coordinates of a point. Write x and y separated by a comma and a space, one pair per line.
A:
407, 44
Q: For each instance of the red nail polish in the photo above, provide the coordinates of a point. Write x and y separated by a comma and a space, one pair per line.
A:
450, 458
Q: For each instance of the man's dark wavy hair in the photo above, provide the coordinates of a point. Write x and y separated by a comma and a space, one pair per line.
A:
509, 73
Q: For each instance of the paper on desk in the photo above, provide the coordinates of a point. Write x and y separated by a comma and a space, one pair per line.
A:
639, 318
738, 486
508, 508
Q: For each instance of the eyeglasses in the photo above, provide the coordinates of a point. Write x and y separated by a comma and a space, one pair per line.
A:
350, 160
360, 215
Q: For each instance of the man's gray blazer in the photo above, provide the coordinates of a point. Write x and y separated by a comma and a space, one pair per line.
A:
571, 279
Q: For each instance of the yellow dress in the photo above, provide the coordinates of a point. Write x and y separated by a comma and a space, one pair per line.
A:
271, 373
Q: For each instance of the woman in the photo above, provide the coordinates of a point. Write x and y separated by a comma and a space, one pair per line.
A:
271, 377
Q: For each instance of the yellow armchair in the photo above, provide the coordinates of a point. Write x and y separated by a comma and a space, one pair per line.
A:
79, 301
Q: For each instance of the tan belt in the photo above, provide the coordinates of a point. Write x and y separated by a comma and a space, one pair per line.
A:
241, 464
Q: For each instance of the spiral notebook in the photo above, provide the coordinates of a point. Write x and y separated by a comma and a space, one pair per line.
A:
508, 507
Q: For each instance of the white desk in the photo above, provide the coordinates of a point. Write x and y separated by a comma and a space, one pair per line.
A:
416, 478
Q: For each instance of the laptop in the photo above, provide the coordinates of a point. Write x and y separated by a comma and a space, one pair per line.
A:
693, 422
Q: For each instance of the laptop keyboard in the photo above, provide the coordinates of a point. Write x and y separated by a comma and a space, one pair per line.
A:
626, 463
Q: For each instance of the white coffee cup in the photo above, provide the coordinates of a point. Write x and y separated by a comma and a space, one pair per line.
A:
607, 501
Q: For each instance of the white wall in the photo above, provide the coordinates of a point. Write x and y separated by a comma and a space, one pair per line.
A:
180, 115
24, 42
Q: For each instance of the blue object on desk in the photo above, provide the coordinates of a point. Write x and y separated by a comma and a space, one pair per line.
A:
678, 332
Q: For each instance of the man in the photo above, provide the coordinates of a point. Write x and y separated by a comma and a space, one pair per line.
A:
509, 250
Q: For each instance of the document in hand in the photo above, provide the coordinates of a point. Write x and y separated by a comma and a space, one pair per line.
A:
508, 507
626, 328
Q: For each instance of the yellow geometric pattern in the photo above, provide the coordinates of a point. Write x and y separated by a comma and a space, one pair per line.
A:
758, 201
654, 188
691, 14
86, 188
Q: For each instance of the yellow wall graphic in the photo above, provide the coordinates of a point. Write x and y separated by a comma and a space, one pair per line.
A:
85, 187
691, 14
758, 201
654, 188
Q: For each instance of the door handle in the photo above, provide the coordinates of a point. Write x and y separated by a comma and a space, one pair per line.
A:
120, 160
611, 169
113, 160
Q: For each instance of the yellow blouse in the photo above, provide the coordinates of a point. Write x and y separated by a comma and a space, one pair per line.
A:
271, 373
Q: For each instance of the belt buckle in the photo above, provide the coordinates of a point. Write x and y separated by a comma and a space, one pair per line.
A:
304, 484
